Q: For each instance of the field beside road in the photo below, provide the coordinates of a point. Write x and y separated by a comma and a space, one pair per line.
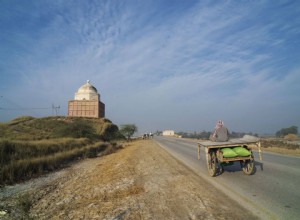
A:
140, 181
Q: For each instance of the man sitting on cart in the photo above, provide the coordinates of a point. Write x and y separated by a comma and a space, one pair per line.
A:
220, 133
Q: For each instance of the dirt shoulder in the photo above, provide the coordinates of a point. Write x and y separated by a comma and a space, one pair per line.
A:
141, 181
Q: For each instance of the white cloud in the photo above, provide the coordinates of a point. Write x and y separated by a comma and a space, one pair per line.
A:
184, 71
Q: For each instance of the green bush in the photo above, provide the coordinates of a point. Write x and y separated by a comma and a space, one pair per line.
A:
285, 131
110, 132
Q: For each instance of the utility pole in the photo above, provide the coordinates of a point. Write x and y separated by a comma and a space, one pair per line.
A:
55, 109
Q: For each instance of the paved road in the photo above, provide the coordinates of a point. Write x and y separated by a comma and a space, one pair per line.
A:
272, 192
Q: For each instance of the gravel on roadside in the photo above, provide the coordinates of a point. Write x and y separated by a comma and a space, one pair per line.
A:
141, 181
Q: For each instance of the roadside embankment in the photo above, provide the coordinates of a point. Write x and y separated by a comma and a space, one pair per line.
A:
141, 181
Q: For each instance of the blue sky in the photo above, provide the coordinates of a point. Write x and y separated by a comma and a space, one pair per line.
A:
160, 64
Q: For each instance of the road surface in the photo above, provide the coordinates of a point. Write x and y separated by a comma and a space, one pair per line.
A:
272, 192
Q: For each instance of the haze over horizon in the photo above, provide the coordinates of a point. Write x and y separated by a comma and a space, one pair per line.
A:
159, 64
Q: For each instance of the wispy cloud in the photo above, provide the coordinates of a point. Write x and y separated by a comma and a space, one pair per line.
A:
180, 67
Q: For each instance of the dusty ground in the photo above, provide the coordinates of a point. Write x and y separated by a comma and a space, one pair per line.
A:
141, 181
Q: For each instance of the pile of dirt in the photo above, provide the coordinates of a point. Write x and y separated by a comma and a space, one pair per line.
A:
141, 181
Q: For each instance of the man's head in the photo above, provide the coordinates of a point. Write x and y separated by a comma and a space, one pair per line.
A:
220, 123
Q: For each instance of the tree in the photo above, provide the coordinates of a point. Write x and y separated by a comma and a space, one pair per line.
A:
128, 130
286, 131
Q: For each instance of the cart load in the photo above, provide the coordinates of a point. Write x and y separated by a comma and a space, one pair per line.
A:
219, 154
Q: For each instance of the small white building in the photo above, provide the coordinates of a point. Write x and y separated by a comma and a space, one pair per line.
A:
168, 133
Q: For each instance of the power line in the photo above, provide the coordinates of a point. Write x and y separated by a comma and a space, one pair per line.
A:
21, 108
29, 108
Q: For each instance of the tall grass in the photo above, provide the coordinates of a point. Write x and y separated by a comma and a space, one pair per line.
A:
30, 146
21, 169
17, 150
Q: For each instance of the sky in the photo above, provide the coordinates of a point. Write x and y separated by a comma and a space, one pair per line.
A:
158, 64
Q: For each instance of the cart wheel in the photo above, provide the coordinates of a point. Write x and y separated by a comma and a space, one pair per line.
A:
248, 166
212, 163
221, 169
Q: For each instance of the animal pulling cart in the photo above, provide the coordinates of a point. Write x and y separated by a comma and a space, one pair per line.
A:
215, 158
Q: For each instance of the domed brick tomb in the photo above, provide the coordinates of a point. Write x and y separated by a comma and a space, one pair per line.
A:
86, 103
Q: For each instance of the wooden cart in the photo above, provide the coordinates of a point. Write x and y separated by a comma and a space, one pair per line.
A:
215, 159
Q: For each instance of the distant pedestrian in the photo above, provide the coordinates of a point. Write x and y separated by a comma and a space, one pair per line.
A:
220, 133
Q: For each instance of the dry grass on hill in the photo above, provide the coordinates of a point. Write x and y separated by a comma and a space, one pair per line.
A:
31, 146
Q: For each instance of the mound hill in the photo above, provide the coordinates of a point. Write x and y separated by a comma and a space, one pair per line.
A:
29, 128
32, 146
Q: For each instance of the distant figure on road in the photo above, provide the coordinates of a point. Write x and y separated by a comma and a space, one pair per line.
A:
220, 133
